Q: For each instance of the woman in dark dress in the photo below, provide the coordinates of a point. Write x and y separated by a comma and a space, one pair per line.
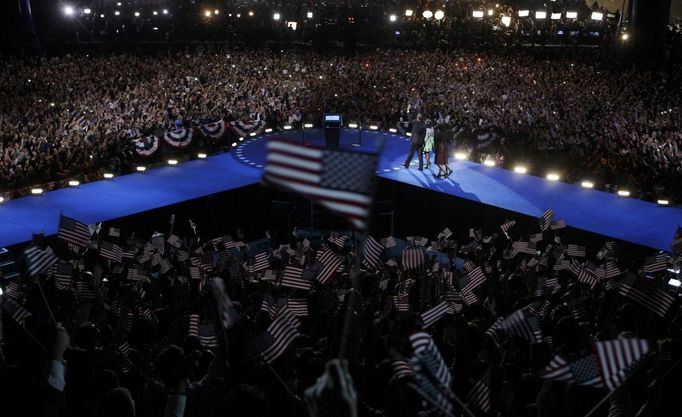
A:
443, 138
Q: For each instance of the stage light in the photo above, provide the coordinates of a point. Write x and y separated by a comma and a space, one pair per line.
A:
68, 10
541, 15
137, 14
74, 183
489, 163
308, 125
201, 155
234, 144
674, 282
439, 15
409, 134
587, 184
491, 12
141, 168
427, 14
155, 13
477, 13
250, 13
520, 169
287, 127
108, 175
524, 13
506, 20
556, 16
662, 202
392, 18
623, 193
353, 125
118, 3
571, 15
309, 15
597, 16
207, 13
276, 16
625, 36
216, 12
393, 130
268, 130
172, 162
252, 134
460, 156
165, 11
87, 11
102, 15
2, 199
373, 127
36, 191
553, 176
116, 13
241, 138
409, 12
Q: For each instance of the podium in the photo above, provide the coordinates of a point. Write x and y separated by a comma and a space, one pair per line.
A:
332, 124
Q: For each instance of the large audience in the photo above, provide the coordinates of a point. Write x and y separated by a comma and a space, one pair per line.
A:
73, 115
109, 333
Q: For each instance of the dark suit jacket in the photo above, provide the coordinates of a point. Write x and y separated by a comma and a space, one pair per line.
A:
418, 132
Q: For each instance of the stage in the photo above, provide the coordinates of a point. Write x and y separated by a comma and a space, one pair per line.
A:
603, 213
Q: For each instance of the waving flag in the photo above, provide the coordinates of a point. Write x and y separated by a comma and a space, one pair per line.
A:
522, 324
546, 219
179, 137
108, 250
38, 260
259, 262
479, 395
476, 278
432, 316
412, 258
341, 181
433, 375
371, 251
73, 231
506, 226
401, 367
293, 278
653, 299
15, 311
213, 130
277, 338
655, 263
575, 250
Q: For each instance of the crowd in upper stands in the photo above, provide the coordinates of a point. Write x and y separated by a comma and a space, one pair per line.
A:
130, 325
69, 116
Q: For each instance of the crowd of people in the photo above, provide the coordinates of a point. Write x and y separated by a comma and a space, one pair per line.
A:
69, 116
105, 322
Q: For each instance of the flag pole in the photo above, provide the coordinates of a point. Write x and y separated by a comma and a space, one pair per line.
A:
350, 302
425, 396
42, 294
281, 381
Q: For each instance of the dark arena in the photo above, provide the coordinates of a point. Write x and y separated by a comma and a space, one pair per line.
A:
341, 208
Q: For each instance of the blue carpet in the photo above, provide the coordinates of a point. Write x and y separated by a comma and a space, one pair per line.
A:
595, 211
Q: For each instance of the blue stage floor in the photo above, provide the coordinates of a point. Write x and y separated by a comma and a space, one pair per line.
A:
595, 211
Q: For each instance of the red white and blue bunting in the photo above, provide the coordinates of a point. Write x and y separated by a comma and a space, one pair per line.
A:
245, 127
179, 137
146, 146
213, 130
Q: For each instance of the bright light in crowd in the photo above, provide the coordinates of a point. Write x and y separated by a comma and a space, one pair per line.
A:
597, 16
201, 155
309, 15
587, 184
87, 11
506, 20
141, 168
625, 36
155, 13
491, 12
392, 18
207, 13
373, 127
2, 199
74, 183
353, 125
674, 282
308, 125
571, 15
409, 12
251, 13
172, 162
477, 13
553, 176
118, 3
252, 134
556, 16
137, 14
662, 202
520, 169
489, 163
102, 15
216, 11
241, 138
165, 11
268, 130
234, 144
287, 127
439, 15
540, 15
68, 10
623, 193
36, 191
116, 13
524, 13
427, 14
276, 16
460, 156
108, 175
393, 130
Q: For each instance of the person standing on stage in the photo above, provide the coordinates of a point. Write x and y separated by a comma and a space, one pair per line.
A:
428, 143
417, 142
443, 137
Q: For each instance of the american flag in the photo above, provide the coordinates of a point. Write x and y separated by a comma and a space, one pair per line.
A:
401, 302
259, 262
297, 306
195, 272
330, 266
506, 226
114, 232
15, 311
609, 270
588, 277
135, 274
546, 219
495, 331
226, 310
445, 234
536, 237
413, 258
371, 251
656, 263
165, 266
38, 260
174, 241
433, 375
470, 298
584, 371
73, 231
479, 395
434, 314
341, 181
575, 250
389, 242
616, 357
523, 247
557, 224
524, 325
293, 278
469, 265
159, 242
269, 305
476, 278
338, 240
62, 276
401, 367
207, 336
654, 299
277, 338
108, 250
85, 290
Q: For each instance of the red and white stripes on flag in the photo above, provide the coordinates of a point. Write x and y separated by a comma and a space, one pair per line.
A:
506, 226
330, 265
278, 336
431, 316
546, 219
522, 324
293, 278
15, 311
413, 258
476, 278
38, 260
371, 252
616, 357
653, 299
575, 250
259, 262
73, 231
341, 181
479, 395
523, 247
401, 367
656, 263
433, 375
110, 251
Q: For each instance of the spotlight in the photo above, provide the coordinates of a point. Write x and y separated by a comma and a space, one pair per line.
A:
68, 10
250, 13
207, 13
268, 130
241, 138
252, 134
625, 36
524, 13
623, 193
598, 16
118, 3
239, 15
393, 130
439, 15
506, 20
674, 282
108, 175
155, 13
541, 15
571, 15
137, 14
74, 183
556, 16
87, 11
276, 16
234, 144
201, 155
216, 12
102, 15
587, 184
2, 199
287, 127
373, 127
353, 125
409, 12
309, 15
172, 162
141, 168
477, 13
460, 156
165, 11
520, 169
392, 18
490, 12
116, 13
553, 176
427, 14
36, 191
662, 202
489, 163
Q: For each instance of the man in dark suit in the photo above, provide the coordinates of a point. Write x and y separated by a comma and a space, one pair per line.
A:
417, 142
